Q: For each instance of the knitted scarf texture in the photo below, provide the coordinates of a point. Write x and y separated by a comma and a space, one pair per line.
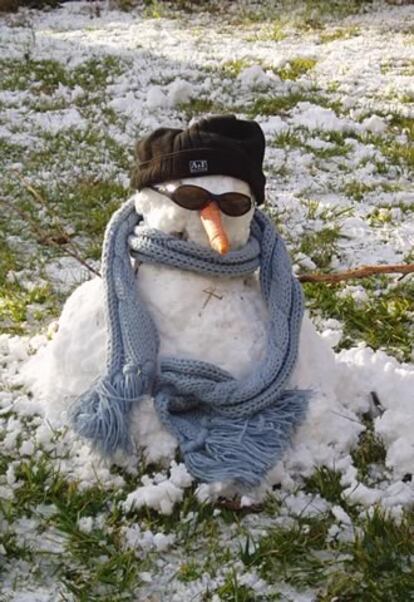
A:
227, 428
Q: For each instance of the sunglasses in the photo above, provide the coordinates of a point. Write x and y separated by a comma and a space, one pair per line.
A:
196, 198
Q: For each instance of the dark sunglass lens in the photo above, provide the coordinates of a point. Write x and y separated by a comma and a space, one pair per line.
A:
235, 204
190, 197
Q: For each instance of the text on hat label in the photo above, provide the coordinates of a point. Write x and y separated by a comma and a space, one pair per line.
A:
198, 166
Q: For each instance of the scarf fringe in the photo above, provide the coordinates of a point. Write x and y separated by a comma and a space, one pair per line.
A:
101, 414
243, 450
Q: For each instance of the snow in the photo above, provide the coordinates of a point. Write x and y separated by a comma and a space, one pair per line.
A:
162, 497
255, 76
179, 91
56, 121
155, 98
167, 66
135, 537
374, 124
273, 125
315, 117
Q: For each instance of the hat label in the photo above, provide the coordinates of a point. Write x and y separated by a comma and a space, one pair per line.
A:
198, 166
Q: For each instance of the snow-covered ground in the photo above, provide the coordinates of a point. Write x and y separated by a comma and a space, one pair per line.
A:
336, 102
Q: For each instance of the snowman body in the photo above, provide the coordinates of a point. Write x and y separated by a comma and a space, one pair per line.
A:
221, 320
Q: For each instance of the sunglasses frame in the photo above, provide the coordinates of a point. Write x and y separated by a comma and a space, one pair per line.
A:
218, 198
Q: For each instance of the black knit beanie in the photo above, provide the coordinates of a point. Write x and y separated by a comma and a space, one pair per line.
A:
218, 145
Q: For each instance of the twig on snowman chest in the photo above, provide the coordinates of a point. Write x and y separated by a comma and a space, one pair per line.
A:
210, 294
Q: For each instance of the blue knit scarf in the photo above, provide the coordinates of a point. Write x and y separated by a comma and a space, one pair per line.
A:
227, 429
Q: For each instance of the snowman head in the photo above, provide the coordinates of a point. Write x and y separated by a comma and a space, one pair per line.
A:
159, 211
201, 183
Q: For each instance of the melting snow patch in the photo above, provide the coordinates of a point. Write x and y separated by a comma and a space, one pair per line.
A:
314, 117
161, 497
374, 124
56, 121
257, 77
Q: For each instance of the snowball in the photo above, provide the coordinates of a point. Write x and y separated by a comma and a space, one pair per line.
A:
273, 125
315, 117
255, 76
374, 124
156, 97
180, 475
179, 92
85, 524
160, 497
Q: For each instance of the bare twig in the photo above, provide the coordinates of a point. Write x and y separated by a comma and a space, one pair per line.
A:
44, 235
44, 204
361, 272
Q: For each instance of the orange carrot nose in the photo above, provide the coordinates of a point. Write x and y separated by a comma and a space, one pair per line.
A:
211, 220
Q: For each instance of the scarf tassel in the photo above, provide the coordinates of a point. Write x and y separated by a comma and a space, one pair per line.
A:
101, 414
244, 450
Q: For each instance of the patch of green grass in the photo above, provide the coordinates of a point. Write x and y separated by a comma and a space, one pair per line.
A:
316, 210
44, 76
13, 5
63, 218
287, 139
406, 98
339, 33
374, 565
356, 189
296, 67
87, 206
333, 86
380, 216
13, 152
403, 125
274, 105
41, 483
189, 571
383, 322
290, 554
94, 72
329, 153
83, 148
125, 5
16, 302
9, 258
40, 76
154, 9
234, 67
22, 302
380, 563
273, 32
98, 561
369, 451
338, 147
333, 9
233, 591
403, 67
245, 17
399, 154
199, 106
320, 246
327, 483
396, 152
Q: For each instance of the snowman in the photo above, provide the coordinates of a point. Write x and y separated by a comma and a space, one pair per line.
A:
193, 338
